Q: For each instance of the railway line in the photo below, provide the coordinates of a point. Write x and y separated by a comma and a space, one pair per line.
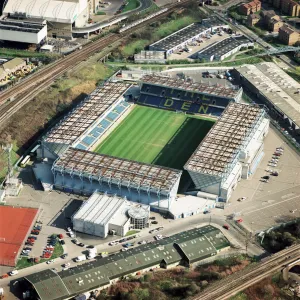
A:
239, 281
14, 98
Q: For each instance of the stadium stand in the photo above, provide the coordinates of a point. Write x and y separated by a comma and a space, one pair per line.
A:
112, 116
80, 146
105, 123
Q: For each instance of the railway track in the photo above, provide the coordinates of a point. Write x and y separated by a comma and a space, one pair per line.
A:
239, 281
15, 97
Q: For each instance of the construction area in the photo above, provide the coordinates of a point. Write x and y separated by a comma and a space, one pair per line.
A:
15, 224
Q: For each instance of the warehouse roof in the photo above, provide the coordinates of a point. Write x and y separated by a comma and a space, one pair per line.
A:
222, 47
277, 86
184, 34
88, 112
55, 10
13, 63
188, 244
117, 170
188, 86
48, 285
221, 145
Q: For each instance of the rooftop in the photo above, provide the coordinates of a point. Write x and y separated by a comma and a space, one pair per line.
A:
184, 34
276, 85
186, 86
221, 145
220, 48
195, 244
287, 29
13, 63
83, 116
15, 25
121, 171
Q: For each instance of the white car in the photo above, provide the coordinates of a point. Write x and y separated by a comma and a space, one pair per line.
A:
158, 237
142, 242
14, 272
242, 198
69, 229
112, 243
124, 249
66, 265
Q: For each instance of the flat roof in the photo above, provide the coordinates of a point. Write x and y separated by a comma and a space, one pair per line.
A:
121, 171
16, 25
222, 47
186, 33
15, 223
83, 116
219, 148
195, 87
277, 86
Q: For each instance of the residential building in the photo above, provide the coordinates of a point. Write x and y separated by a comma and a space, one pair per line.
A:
274, 25
249, 8
253, 19
288, 35
290, 7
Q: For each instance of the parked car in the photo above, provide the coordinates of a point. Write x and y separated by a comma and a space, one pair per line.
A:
14, 272
206, 212
81, 244
75, 241
274, 173
226, 226
154, 222
60, 236
239, 220
51, 261
62, 242
266, 177
64, 256
142, 242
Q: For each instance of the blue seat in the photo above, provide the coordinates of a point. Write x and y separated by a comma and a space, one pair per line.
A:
105, 123
119, 109
88, 140
112, 116
95, 132
80, 146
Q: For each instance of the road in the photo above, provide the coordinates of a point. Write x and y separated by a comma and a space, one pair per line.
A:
170, 228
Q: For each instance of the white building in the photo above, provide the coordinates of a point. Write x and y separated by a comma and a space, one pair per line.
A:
25, 31
231, 150
60, 15
102, 214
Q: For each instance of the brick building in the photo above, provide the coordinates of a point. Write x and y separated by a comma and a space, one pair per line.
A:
288, 35
252, 19
249, 8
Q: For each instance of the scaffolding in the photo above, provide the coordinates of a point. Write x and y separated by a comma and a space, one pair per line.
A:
78, 121
189, 86
219, 152
116, 171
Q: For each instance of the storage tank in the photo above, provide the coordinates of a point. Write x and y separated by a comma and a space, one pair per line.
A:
139, 216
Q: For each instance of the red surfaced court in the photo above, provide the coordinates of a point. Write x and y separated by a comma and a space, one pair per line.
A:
15, 224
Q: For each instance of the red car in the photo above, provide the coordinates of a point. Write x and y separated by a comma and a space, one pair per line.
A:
226, 226
239, 220
60, 236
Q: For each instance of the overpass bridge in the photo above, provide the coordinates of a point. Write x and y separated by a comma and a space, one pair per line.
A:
237, 282
144, 4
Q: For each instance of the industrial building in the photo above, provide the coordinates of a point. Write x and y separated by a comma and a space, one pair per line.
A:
180, 39
231, 150
157, 57
83, 172
278, 91
61, 16
225, 48
180, 95
28, 31
102, 214
184, 248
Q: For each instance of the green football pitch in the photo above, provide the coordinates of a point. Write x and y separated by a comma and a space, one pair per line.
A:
156, 136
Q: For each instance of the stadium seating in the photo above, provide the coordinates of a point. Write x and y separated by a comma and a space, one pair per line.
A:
112, 116
105, 123
80, 146
88, 140
119, 109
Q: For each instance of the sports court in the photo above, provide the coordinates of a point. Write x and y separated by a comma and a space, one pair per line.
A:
15, 223
156, 136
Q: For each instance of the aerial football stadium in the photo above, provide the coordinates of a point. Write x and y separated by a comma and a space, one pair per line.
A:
172, 136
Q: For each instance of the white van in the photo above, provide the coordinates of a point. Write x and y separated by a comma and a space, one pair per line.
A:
80, 258
14, 272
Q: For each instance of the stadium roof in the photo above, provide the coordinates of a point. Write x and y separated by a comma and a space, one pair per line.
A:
275, 85
194, 244
17, 25
186, 86
51, 10
83, 116
125, 172
222, 144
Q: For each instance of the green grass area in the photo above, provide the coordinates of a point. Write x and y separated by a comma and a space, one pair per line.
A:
131, 232
134, 47
157, 136
131, 4
6, 52
3, 161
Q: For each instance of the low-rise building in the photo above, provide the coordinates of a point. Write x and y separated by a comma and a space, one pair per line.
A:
288, 36
11, 66
290, 7
250, 8
252, 19
102, 214
274, 25
158, 57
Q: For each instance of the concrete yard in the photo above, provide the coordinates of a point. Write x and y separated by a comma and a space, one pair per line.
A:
272, 203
